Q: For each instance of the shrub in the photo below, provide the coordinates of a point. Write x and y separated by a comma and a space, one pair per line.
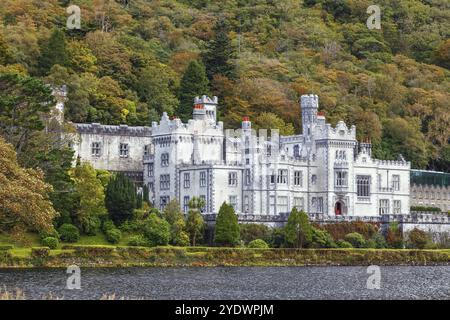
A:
113, 235
253, 231
258, 243
356, 239
340, 229
50, 242
418, 239
69, 233
6, 247
394, 237
157, 231
181, 239
138, 241
380, 241
344, 244
321, 239
277, 238
298, 229
107, 225
226, 231
40, 252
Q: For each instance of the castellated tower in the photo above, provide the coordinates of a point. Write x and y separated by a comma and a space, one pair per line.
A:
309, 105
205, 108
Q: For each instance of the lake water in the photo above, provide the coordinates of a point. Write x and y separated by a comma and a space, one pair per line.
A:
234, 283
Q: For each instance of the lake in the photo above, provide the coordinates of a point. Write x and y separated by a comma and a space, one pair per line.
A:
234, 283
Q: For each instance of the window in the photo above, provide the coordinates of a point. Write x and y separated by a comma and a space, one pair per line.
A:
124, 150
164, 160
396, 182
341, 179
384, 206
363, 186
150, 169
202, 178
272, 205
296, 151
397, 207
186, 204
146, 150
272, 178
313, 179
299, 203
283, 204
187, 180
203, 197
164, 182
248, 177
95, 149
246, 204
282, 176
163, 201
298, 178
232, 178
269, 150
317, 204
233, 202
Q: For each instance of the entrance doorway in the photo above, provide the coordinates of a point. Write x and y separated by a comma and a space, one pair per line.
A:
338, 208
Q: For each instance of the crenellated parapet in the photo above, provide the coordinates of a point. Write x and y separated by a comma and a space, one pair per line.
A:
121, 130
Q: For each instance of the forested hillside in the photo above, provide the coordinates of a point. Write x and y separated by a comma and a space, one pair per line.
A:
133, 59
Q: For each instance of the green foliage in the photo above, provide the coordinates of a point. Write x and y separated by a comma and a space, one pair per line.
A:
53, 52
418, 239
113, 235
69, 233
50, 242
394, 237
227, 227
253, 231
298, 230
341, 229
379, 241
194, 83
321, 239
258, 243
343, 244
137, 241
90, 191
120, 198
429, 209
157, 231
356, 239
277, 238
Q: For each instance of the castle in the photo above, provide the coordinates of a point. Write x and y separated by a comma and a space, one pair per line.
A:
324, 170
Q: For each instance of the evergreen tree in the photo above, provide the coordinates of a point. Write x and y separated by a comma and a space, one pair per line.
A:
298, 230
120, 198
145, 194
227, 227
92, 199
217, 58
53, 52
193, 83
195, 223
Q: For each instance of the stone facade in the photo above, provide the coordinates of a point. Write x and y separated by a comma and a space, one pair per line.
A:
430, 189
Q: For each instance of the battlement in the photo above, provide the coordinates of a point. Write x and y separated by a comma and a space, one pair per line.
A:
205, 100
309, 101
397, 163
123, 130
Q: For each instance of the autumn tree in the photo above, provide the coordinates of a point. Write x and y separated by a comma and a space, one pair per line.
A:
193, 83
24, 196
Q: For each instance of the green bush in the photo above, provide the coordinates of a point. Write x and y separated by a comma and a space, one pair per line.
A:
40, 252
69, 233
50, 242
107, 225
356, 239
157, 231
344, 244
253, 231
380, 241
258, 243
321, 239
6, 247
113, 235
138, 241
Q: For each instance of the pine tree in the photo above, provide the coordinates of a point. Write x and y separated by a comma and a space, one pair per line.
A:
217, 58
227, 227
53, 52
193, 83
120, 198
298, 230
